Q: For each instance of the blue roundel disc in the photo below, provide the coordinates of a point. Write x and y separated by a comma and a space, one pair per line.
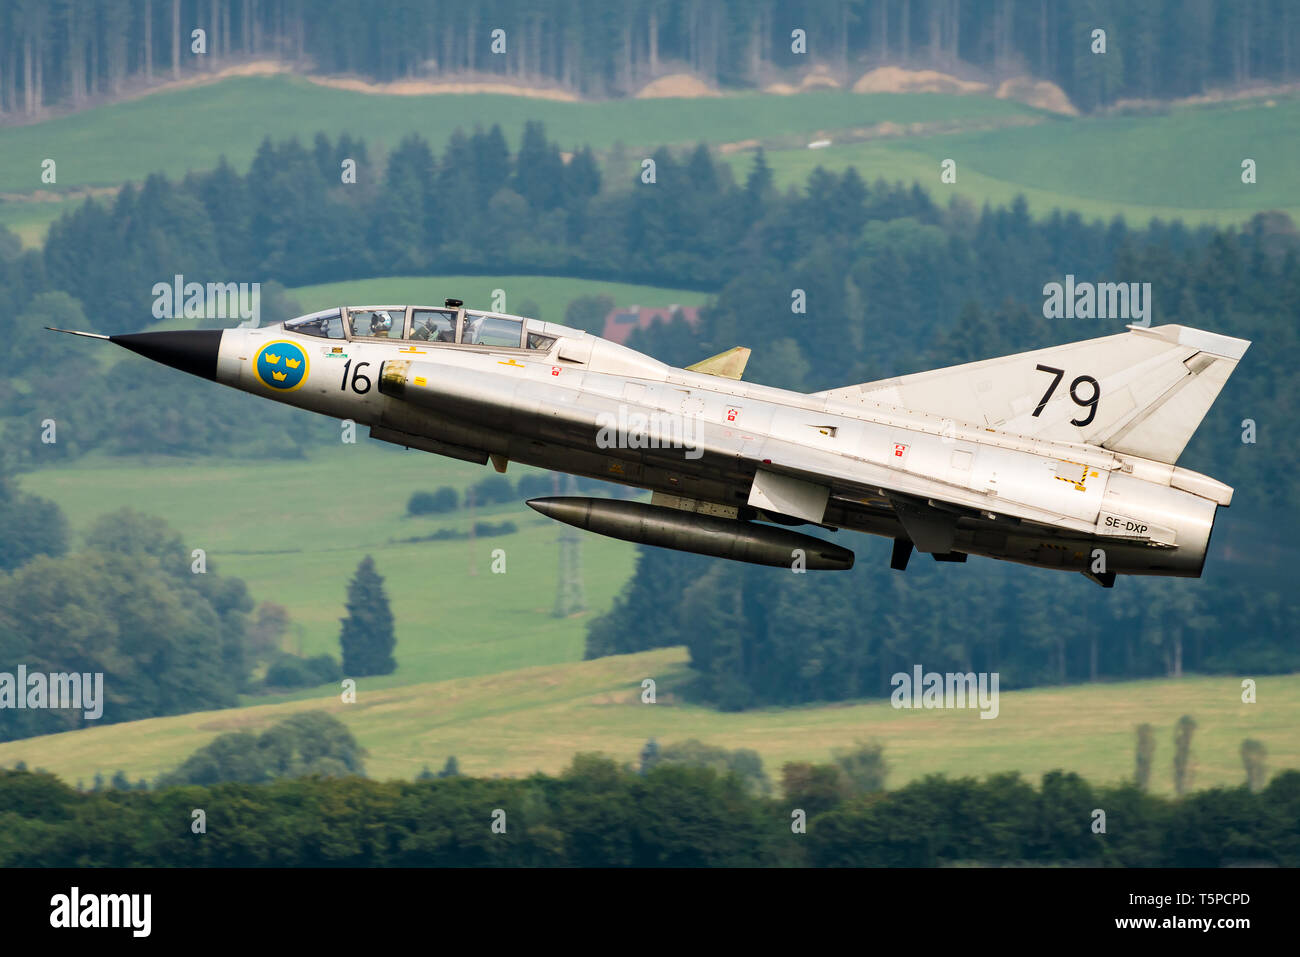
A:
281, 366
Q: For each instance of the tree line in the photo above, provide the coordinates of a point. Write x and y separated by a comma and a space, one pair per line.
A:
68, 52
598, 814
759, 637
126, 605
167, 631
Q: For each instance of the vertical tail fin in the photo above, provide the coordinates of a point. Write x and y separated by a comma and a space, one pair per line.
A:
1143, 392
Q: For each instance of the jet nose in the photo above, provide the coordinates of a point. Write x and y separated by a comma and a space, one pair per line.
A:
190, 350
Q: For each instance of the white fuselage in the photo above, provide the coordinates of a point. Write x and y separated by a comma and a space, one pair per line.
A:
705, 439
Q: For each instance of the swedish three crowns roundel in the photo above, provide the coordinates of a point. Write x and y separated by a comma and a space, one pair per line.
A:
281, 366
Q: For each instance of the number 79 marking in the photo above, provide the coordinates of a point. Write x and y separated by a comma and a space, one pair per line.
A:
1089, 403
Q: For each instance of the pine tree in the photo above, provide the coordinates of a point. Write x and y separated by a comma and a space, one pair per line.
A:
367, 638
1146, 751
1253, 754
649, 755
1183, 754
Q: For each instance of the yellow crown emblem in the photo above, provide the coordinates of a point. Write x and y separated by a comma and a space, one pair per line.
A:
279, 376
293, 363
272, 358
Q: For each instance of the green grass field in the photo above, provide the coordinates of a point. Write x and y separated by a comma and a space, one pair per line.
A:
189, 129
552, 293
295, 531
31, 221
533, 719
1185, 164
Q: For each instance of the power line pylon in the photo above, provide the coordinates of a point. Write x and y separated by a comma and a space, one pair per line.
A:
570, 596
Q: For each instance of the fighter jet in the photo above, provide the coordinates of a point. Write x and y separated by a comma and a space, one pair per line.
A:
1060, 458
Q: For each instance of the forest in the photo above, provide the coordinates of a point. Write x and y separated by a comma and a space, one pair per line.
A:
69, 53
598, 814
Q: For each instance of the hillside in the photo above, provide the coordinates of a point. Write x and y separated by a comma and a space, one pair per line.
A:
331, 510
1184, 163
530, 719
188, 129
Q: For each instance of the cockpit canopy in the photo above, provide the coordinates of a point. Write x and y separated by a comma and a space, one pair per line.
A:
431, 324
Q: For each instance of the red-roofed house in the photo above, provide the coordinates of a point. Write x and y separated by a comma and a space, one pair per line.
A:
621, 321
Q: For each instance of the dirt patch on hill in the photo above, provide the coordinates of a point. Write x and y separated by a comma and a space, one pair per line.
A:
251, 68
894, 79
818, 79
1036, 93
434, 87
675, 85
1024, 89
469, 84
739, 146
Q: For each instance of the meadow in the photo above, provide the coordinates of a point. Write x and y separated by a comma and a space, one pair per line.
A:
188, 129
295, 532
1182, 163
1185, 164
30, 221
536, 719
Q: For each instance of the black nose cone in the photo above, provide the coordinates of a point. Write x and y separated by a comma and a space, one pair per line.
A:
190, 350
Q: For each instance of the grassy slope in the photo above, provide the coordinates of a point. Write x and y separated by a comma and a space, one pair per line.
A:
537, 718
552, 293
1186, 164
188, 129
31, 221
295, 531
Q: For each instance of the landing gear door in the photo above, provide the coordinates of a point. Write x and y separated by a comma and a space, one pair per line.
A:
784, 495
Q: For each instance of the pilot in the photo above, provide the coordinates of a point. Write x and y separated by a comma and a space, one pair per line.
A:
381, 324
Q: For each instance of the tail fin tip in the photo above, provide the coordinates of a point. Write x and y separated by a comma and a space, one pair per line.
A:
1225, 347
